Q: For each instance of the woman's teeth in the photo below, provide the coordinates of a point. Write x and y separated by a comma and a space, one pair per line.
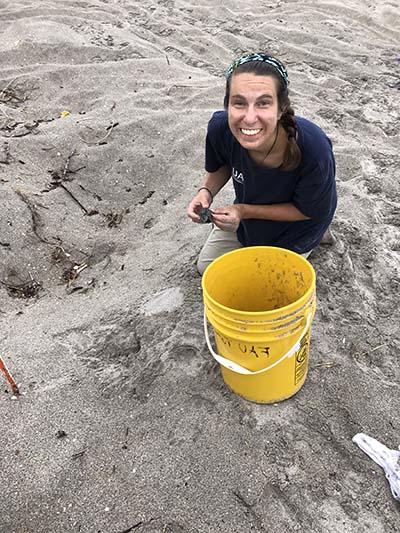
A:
250, 132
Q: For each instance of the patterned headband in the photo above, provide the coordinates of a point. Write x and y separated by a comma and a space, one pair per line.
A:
264, 58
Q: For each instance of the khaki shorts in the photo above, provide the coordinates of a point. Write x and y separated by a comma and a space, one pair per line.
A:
220, 242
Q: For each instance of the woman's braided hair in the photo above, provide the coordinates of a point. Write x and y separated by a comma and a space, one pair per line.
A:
292, 156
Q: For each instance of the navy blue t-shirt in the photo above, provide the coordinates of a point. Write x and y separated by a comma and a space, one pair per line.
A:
310, 187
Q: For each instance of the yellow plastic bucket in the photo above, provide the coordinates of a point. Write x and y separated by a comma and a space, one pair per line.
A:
260, 301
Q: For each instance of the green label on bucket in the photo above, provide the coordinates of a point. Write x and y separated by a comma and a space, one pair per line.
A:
302, 359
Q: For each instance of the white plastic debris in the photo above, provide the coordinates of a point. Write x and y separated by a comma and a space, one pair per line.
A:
389, 460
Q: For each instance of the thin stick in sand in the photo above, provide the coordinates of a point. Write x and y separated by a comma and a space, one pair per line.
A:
9, 377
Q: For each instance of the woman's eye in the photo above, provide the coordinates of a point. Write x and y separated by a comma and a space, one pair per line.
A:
238, 104
263, 103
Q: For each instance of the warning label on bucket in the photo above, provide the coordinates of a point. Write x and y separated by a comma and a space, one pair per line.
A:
301, 358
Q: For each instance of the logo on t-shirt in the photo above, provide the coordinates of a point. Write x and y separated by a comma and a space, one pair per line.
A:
237, 176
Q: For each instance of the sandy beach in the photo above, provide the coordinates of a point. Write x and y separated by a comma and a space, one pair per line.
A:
124, 422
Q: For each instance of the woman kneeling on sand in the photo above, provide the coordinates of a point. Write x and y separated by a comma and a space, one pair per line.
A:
282, 167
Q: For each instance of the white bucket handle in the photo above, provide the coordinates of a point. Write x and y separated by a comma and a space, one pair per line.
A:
231, 365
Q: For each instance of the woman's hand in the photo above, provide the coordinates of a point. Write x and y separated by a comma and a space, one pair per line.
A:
227, 218
201, 200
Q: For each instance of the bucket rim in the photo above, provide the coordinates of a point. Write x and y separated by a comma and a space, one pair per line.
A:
287, 308
274, 326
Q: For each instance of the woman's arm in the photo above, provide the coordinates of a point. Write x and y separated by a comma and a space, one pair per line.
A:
228, 218
212, 183
286, 212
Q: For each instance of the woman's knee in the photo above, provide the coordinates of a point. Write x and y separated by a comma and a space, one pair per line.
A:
218, 243
201, 265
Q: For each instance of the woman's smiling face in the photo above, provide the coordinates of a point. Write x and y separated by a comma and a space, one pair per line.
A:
253, 110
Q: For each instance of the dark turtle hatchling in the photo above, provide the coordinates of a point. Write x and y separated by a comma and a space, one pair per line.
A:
205, 215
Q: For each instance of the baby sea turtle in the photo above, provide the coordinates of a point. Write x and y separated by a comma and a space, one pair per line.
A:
205, 215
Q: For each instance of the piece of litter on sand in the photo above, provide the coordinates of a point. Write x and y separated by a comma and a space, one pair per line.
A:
388, 459
325, 364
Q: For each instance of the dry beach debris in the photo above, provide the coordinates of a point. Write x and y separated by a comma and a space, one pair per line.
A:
27, 289
59, 177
